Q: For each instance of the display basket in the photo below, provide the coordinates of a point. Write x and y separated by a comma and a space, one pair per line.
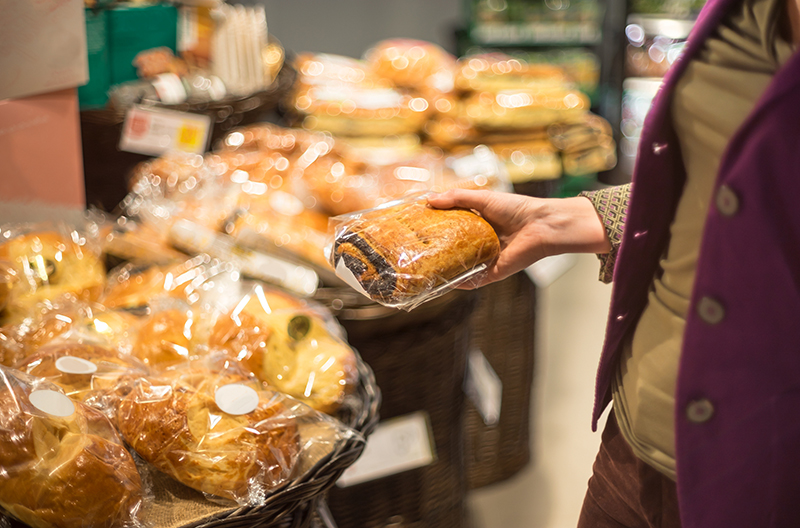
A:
503, 329
174, 505
419, 359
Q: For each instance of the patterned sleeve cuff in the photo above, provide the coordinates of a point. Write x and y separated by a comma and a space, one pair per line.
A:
611, 204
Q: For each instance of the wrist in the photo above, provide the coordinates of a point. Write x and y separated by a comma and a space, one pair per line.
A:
573, 226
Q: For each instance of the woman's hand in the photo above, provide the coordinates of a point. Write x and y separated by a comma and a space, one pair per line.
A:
530, 228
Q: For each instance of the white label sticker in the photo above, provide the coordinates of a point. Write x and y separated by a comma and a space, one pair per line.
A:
236, 399
74, 365
344, 273
396, 445
154, 131
484, 387
52, 402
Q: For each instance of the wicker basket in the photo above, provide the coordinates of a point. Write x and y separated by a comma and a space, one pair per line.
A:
503, 330
419, 366
290, 506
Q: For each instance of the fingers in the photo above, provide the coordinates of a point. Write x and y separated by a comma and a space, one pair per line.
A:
460, 198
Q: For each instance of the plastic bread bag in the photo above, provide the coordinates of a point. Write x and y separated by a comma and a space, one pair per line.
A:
525, 108
214, 428
475, 168
98, 376
404, 253
495, 72
413, 64
282, 225
350, 110
64, 319
62, 464
291, 345
48, 260
529, 160
592, 131
317, 69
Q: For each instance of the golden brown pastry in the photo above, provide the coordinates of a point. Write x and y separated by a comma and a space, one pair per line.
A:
131, 287
61, 470
290, 347
8, 277
525, 108
164, 339
95, 375
494, 72
49, 264
400, 252
174, 421
410, 63
82, 320
529, 160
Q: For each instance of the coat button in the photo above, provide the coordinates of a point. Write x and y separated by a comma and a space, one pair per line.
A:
727, 201
710, 310
699, 411
658, 148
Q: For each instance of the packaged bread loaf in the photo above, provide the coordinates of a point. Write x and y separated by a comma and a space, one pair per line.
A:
62, 463
410, 63
494, 72
48, 261
212, 427
290, 345
404, 253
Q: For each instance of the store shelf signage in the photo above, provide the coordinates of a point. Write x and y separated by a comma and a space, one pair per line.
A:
154, 131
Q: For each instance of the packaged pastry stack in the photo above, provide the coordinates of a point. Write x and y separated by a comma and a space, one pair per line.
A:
214, 383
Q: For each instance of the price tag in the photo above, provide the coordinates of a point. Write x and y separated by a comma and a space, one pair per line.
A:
396, 445
484, 388
154, 131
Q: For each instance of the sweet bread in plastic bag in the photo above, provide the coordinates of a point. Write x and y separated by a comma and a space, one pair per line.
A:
62, 464
406, 252
213, 428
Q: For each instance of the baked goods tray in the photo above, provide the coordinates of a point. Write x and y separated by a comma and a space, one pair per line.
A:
173, 505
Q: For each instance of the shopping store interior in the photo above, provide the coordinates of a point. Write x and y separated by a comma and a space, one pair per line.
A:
179, 183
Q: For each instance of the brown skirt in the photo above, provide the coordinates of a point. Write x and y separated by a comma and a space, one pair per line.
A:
625, 492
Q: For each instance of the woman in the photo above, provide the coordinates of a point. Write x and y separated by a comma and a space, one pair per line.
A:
702, 350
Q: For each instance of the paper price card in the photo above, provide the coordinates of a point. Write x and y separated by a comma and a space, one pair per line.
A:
396, 445
154, 131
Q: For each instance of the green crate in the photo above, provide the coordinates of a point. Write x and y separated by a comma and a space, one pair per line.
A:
94, 93
135, 29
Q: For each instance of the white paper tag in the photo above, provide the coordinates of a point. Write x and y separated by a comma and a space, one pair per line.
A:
74, 365
154, 131
52, 402
344, 273
236, 399
396, 445
484, 388
169, 88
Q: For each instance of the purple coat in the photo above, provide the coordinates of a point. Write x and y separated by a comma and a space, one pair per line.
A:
737, 414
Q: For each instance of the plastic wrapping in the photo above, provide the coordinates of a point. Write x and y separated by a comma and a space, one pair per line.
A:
586, 147
413, 64
525, 108
62, 464
65, 319
349, 110
495, 72
290, 345
48, 260
95, 375
8, 277
326, 69
526, 161
406, 252
212, 427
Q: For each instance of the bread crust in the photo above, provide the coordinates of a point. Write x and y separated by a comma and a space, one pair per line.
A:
400, 252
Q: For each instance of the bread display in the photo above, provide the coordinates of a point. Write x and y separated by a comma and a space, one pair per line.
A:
212, 428
401, 253
95, 375
164, 339
529, 160
290, 347
48, 263
63, 464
